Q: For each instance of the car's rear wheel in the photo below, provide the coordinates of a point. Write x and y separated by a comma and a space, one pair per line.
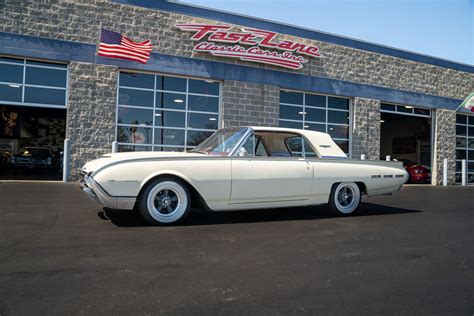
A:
164, 201
345, 198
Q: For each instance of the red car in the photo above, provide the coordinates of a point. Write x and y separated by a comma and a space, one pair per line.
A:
418, 173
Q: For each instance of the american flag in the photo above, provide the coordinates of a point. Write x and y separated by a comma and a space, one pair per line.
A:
114, 45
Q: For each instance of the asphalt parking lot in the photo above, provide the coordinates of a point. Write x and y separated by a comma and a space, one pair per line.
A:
409, 253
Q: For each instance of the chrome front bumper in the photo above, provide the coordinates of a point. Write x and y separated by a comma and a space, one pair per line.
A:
98, 195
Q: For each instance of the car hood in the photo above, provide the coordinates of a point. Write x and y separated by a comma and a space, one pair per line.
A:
107, 159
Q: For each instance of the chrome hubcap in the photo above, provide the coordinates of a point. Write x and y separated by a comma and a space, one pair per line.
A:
166, 201
345, 197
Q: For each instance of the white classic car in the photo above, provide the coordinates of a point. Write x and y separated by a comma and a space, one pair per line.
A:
239, 168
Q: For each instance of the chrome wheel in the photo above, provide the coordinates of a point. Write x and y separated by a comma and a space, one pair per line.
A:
166, 202
345, 198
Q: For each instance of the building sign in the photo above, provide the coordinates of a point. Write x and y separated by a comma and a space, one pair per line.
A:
249, 45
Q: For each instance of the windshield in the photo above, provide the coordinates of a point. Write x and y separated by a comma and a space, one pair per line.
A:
222, 142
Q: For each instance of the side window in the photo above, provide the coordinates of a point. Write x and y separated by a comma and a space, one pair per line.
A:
260, 150
296, 145
246, 149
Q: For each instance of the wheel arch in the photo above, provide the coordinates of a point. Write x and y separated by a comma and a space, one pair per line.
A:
196, 198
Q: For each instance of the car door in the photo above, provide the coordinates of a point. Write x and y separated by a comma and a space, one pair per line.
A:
261, 178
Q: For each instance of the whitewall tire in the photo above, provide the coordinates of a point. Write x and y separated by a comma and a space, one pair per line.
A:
164, 201
345, 198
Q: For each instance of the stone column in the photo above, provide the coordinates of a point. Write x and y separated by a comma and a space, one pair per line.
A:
246, 103
92, 99
366, 128
444, 146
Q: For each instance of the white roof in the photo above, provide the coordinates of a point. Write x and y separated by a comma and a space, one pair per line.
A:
322, 142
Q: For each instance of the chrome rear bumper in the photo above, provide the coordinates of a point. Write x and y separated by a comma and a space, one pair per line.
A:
94, 191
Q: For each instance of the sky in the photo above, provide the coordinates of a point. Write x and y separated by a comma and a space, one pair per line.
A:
443, 29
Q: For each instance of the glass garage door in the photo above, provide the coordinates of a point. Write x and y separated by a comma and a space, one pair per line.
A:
465, 145
317, 112
164, 113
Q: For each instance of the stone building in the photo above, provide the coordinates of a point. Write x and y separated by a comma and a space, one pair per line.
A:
373, 100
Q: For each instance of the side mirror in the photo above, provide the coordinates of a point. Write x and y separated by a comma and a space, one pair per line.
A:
242, 152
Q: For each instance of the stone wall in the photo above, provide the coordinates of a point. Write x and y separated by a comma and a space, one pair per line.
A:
91, 112
444, 146
79, 21
366, 128
245, 103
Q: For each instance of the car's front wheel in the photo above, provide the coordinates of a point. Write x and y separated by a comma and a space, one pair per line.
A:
345, 198
164, 201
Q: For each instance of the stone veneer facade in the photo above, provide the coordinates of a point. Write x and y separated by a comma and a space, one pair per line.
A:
92, 87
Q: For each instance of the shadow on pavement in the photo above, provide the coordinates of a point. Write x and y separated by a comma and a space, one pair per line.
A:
123, 218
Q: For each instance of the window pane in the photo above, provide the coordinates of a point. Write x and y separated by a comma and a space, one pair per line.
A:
460, 142
137, 80
135, 97
291, 97
171, 149
338, 117
338, 103
169, 137
462, 119
461, 130
10, 93
170, 118
171, 101
460, 154
387, 107
315, 127
205, 121
197, 137
470, 154
45, 96
291, 112
43, 63
317, 115
403, 109
11, 73
470, 119
46, 77
338, 131
458, 166
470, 131
421, 111
130, 148
288, 124
134, 116
11, 60
470, 166
205, 104
470, 143
343, 144
203, 87
295, 145
173, 84
315, 100
134, 135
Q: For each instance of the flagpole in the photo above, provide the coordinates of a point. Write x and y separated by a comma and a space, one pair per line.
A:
97, 44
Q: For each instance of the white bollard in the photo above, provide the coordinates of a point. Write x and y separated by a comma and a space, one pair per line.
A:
66, 159
362, 157
445, 172
387, 158
463, 172
114, 146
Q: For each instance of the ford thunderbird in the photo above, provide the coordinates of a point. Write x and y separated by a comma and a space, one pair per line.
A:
239, 168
